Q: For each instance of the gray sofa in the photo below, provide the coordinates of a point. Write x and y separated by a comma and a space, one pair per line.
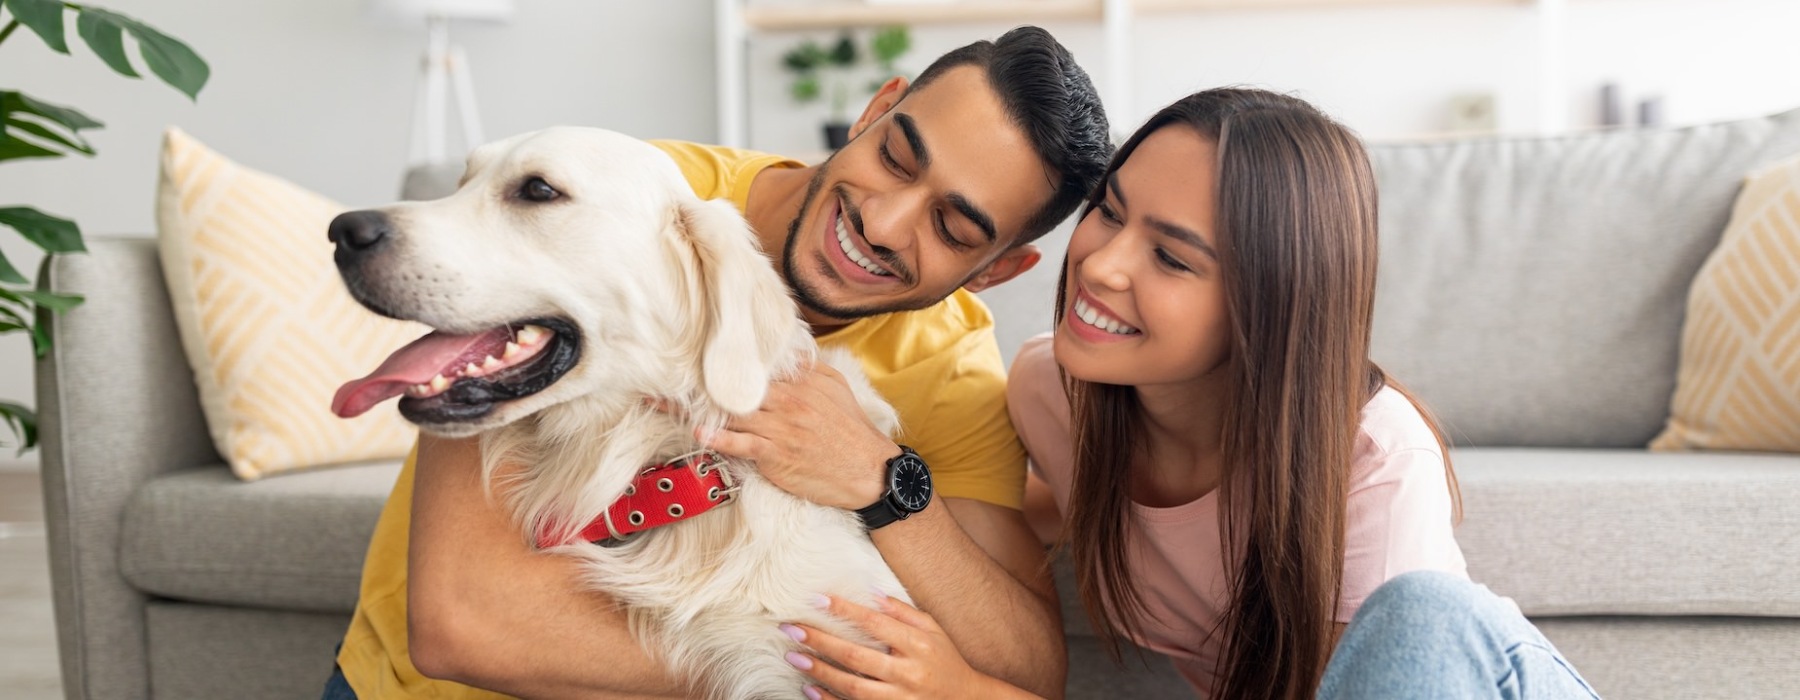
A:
1532, 292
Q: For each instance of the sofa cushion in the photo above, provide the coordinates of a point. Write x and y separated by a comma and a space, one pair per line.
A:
1532, 289
294, 542
268, 328
1630, 532
1739, 386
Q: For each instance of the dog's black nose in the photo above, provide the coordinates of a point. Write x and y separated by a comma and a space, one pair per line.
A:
358, 231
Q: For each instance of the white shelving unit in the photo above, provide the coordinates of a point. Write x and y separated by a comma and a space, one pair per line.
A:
738, 22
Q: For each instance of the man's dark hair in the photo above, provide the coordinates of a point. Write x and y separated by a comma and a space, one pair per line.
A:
1052, 100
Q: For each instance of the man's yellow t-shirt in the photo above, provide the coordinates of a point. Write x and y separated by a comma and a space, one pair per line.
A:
939, 367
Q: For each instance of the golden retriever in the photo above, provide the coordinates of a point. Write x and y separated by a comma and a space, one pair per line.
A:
572, 277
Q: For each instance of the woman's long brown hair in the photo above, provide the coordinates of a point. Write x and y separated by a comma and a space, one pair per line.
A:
1296, 233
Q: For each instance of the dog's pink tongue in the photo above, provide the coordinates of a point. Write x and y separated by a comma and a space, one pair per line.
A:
417, 363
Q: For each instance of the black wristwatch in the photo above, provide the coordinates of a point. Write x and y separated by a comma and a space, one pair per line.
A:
908, 491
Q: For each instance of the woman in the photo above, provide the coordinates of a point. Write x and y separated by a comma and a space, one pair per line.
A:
1234, 477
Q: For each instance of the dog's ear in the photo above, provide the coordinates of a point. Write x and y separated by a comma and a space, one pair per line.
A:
749, 318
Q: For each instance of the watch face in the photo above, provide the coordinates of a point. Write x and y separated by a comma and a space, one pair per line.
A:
911, 483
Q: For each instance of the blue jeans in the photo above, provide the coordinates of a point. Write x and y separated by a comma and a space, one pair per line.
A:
1427, 634
336, 688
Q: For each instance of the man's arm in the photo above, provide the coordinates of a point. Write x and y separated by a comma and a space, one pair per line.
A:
485, 609
974, 566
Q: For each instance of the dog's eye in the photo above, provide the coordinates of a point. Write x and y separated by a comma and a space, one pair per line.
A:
536, 190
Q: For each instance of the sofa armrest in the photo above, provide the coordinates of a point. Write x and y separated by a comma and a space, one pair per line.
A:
117, 406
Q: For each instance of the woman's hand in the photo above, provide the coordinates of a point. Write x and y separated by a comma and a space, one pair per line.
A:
922, 661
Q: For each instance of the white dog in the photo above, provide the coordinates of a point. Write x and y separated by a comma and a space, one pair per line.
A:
571, 276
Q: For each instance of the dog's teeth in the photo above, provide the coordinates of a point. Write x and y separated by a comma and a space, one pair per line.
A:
439, 383
417, 390
530, 335
512, 349
471, 370
490, 364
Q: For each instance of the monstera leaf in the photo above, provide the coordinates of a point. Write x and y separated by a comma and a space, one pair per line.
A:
35, 128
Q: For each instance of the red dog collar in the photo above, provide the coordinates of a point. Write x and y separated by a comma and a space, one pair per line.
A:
660, 495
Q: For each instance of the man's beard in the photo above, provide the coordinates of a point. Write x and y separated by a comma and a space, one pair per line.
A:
806, 294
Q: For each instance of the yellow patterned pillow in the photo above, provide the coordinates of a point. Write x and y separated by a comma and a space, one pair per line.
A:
1739, 386
267, 326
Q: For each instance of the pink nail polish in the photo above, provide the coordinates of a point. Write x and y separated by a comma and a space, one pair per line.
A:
799, 662
794, 633
821, 602
811, 692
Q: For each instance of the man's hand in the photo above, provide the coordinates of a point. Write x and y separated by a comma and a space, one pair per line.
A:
811, 439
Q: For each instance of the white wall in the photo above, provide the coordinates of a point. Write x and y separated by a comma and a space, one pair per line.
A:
312, 91
1390, 71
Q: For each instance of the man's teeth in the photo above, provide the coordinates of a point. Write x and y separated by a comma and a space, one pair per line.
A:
526, 344
1089, 315
850, 251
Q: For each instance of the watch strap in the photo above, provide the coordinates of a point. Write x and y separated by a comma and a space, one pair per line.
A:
880, 514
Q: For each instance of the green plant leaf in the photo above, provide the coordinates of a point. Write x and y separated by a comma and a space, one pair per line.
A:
167, 57
171, 60
13, 320
844, 54
805, 89
889, 43
46, 303
11, 148
14, 101
52, 234
804, 58
23, 422
105, 34
74, 142
11, 274
13, 104
45, 18
40, 340
49, 300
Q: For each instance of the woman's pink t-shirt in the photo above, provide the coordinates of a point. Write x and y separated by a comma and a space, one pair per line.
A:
1399, 516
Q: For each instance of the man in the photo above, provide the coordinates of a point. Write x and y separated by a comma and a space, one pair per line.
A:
940, 192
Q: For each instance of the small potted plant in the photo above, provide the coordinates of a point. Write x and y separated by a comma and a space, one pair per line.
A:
886, 46
819, 70
812, 65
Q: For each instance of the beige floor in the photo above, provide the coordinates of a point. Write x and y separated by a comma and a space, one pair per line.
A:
27, 629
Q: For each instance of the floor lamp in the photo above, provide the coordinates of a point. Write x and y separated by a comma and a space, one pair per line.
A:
443, 73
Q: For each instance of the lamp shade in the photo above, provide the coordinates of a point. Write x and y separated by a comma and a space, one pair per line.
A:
417, 11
